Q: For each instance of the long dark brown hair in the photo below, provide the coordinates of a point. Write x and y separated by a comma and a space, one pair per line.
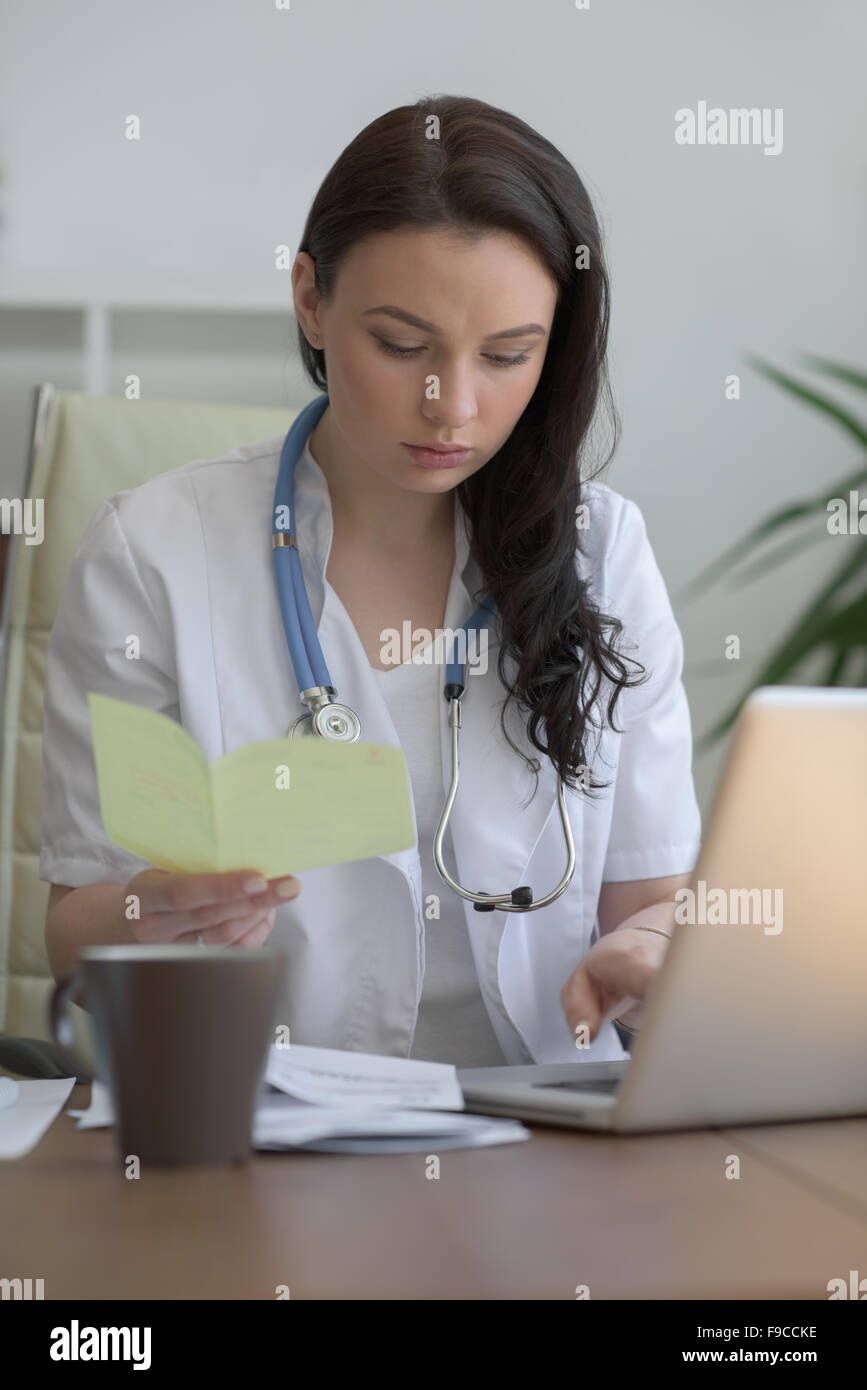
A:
486, 171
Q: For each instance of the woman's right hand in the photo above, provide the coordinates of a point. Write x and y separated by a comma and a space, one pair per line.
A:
174, 907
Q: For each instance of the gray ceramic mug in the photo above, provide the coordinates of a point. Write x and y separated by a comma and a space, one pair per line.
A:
181, 1039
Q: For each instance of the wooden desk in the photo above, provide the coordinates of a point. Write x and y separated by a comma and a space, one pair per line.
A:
647, 1217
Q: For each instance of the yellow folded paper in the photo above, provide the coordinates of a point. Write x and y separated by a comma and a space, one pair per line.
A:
279, 806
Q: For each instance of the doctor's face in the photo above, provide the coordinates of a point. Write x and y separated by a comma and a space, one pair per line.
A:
429, 339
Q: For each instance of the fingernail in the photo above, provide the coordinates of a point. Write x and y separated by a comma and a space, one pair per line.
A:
255, 885
287, 888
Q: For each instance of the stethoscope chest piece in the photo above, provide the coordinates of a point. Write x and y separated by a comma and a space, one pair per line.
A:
334, 721
337, 722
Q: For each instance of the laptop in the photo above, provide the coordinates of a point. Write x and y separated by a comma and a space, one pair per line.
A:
759, 1011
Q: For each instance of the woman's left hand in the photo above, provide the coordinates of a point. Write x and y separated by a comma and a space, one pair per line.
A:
620, 964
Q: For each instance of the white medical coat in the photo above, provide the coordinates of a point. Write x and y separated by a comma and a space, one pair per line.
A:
185, 562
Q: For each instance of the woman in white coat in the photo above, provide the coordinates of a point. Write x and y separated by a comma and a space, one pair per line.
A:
450, 290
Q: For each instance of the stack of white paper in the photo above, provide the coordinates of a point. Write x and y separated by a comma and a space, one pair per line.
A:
354, 1102
24, 1120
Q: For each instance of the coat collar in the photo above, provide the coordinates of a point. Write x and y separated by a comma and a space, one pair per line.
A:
497, 819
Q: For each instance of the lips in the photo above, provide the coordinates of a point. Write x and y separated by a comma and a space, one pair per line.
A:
441, 448
436, 458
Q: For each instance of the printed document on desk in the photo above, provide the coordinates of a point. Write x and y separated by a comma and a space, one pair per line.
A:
354, 1102
23, 1123
332, 1076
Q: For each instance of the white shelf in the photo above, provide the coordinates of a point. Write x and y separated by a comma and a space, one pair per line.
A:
187, 341
40, 290
97, 303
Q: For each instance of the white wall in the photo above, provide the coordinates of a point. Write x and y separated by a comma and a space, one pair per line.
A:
715, 251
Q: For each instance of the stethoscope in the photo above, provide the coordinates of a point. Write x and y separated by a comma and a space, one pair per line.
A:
330, 719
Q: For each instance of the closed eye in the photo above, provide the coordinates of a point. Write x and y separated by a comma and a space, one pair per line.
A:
496, 361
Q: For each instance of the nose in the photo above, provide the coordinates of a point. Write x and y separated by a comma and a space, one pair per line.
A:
455, 403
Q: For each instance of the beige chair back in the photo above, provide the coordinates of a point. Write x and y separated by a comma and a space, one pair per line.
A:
83, 449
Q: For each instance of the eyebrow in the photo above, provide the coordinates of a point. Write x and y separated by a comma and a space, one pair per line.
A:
415, 322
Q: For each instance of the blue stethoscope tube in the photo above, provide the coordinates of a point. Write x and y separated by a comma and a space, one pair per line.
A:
336, 721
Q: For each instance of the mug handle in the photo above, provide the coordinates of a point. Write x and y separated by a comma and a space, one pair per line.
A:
61, 1025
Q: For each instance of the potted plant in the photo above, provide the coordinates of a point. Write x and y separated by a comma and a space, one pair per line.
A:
835, 619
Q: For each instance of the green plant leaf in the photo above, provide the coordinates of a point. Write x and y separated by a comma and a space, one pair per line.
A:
837, 665
796, 511
814, 629
816, 398
747, 543
842, 630
850, 375
795, 545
